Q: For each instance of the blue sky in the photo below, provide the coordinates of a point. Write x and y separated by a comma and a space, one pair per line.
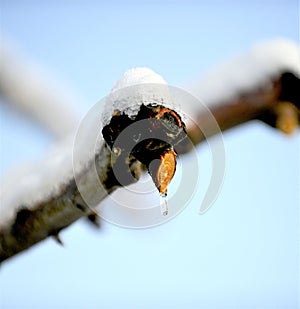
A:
243, 253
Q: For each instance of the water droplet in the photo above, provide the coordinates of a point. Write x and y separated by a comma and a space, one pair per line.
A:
117, 151
164, 204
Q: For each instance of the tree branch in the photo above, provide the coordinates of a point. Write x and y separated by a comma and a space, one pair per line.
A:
258, 104
29, 224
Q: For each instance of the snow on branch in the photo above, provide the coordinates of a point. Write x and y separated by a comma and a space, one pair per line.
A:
63, 187
248, 71
259, 85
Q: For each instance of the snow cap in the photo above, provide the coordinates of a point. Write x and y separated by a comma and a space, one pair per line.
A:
137, 86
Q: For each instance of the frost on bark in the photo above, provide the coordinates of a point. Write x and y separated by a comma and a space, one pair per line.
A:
274, 100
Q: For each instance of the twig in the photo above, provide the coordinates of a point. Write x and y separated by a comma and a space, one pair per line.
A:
33, 223
261, 104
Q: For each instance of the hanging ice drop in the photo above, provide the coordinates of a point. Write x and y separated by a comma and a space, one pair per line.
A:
164, 204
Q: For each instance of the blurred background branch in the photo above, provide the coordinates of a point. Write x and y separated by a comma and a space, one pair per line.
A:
29, 89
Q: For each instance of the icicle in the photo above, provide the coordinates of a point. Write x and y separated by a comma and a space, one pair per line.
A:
164, 204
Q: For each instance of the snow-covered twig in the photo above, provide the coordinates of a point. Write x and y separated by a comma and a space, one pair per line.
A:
249, 87
243, 73
50, 199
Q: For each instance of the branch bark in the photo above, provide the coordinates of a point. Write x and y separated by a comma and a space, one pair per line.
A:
259, 104
48, 218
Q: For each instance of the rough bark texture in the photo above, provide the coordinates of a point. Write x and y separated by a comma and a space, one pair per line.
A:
46, 219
